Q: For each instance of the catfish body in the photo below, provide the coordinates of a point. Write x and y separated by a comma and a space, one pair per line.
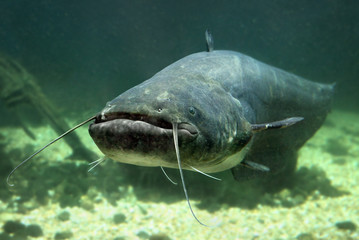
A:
210, 112
215, 98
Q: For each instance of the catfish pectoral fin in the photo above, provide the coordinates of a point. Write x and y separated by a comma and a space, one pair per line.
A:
248, 170
277, 124
255, 166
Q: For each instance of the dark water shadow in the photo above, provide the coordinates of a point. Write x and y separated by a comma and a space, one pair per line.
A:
70, 182
150, 185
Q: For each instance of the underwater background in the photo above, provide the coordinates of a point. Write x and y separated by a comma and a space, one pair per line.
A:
77, 55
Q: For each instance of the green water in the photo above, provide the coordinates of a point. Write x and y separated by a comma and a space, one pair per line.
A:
85, 54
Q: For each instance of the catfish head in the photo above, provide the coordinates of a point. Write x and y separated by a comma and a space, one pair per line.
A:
137, 126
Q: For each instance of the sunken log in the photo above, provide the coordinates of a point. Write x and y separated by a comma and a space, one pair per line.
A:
19, 87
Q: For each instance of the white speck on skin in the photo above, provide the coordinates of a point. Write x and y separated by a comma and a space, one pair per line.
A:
163, 96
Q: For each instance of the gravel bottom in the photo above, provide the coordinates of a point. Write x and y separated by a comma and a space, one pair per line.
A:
316, 218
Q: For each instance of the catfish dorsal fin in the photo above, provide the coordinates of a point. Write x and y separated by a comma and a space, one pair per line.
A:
277, 124
209, 41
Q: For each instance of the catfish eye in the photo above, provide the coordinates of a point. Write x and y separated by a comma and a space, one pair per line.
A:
159, 110
192, 110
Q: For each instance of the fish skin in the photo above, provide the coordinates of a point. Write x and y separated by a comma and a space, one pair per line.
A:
218, 94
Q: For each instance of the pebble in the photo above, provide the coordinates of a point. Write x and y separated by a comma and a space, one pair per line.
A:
13, 227
33, 230
86, 203
119, 218
142, 234
63, 235
346, 225
117, 238
305, 236
64, 216
160, 236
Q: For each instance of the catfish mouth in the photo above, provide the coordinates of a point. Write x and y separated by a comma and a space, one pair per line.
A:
122, 123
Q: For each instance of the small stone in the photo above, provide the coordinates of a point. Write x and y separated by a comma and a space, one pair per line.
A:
33, 230
261, 220
63, 235
142, 234
305, 236
117, 238
119, 218
13, 226
346, 225
64, 216
160, 236
87, 204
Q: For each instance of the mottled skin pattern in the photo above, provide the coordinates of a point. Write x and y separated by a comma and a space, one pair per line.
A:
218, 95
